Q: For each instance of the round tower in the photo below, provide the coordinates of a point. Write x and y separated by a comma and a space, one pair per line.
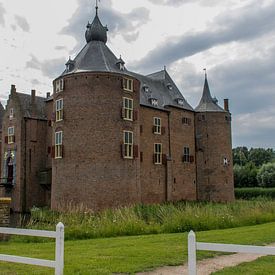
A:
213, 149
95, 129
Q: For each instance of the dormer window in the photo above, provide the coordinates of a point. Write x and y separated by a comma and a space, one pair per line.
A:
128, 84
154, 102
59, 85
180, 101
145, 88
11, 113
169, 86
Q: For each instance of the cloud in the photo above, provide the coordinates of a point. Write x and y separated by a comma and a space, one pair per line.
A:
2, 13
22, 23
177, 3
126, 24
50, 68
60, 48
239, 25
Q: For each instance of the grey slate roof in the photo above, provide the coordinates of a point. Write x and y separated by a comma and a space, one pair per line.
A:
207, 103
26, 107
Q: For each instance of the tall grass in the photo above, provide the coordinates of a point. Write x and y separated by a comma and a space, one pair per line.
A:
154, 219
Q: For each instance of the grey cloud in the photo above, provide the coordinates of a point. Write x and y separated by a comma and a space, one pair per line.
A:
36, 82
239, 25
22, 23
118, 23
176, 3
13, 27
60, 48
50, 68
2, 13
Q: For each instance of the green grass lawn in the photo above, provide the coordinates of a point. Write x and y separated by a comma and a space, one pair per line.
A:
262, 266
129, 254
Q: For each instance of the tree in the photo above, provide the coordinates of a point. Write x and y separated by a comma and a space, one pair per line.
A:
266, 175
240, 155
259, 156
245, 176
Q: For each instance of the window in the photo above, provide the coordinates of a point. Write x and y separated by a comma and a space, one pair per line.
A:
157, 125
11, 138
186, 154
127, 108
158, 153
154, 102
59, 110
59, 85
58, 144
128, 145
186, 120
128, 84
11, 113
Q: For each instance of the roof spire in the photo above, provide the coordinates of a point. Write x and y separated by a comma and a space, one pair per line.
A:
205, 73
96, 7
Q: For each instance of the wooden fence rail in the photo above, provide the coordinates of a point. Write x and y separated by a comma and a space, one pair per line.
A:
193, 246
58, 235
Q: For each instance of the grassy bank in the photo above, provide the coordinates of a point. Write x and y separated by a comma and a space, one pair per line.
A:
129, 254
154, 219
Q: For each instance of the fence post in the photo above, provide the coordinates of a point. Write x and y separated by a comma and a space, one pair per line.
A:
59, 249
192, 268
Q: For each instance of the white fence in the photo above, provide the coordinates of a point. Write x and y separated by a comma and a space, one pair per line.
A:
193, 246
58, 235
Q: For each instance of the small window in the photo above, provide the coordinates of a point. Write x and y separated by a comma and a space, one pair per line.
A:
157, 125
11, 135
154, 102
127, 108
186, 121
59, 110
11, 113
180, 101
128, 144
128, 84
58, 144
186, 154
158, 153
59, 85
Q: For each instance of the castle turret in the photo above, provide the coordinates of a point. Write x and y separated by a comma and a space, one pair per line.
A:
213, 149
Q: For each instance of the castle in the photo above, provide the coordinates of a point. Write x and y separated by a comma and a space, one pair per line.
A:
108, 137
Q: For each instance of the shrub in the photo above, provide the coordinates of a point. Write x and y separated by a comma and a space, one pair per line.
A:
266, 175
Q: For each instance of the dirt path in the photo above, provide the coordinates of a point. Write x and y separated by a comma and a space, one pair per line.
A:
207, 266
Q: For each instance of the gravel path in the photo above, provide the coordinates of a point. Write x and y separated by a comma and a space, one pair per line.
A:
207, 266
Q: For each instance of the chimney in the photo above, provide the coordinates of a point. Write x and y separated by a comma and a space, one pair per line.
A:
13, 89
33, 96
226, 104
48, 94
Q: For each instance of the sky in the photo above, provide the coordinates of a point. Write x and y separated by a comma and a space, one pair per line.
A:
233, 39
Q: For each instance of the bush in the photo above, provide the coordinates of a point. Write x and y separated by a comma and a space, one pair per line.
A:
252, 193
266, 175
245, 176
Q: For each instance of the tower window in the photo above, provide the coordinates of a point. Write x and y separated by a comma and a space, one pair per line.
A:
59, 85
11, 137
58, 144
128, 84
186, 120
11, 113
127, 144
157, 126
127, 108
186, 154
158, 153
59, 109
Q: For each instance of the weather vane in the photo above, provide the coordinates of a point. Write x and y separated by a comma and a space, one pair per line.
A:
205, 72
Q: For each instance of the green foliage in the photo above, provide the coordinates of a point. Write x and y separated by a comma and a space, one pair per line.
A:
153, 219
266, 175
129, 255
252, 193
245, 176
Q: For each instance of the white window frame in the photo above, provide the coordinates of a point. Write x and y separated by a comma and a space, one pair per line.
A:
59, 85
11, 135
186, 154
157, 125
128, 84
59, 109
58, 137
157, 153
128, 108
128, 143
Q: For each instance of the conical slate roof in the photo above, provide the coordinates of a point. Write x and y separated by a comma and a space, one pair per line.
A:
207, 102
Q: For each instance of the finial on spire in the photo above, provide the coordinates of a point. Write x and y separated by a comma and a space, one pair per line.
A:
205, 73
164, 67
96, 6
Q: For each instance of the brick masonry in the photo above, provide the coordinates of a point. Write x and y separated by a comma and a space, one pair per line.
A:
4, 215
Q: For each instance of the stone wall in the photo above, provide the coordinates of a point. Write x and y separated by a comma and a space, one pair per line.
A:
4, 215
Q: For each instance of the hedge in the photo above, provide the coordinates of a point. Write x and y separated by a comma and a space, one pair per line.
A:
251, 193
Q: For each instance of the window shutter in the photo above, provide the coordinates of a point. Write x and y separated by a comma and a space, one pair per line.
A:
141, 156
62, 114
141, 129
163, 130
122, 112
154, 129
135, 115
53, 116
63, 151
6, 139
136, 85
191, 158
49, 123
122, 149
122, 83
164, 159
49, 149
53, 152
13, 138
135, 151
